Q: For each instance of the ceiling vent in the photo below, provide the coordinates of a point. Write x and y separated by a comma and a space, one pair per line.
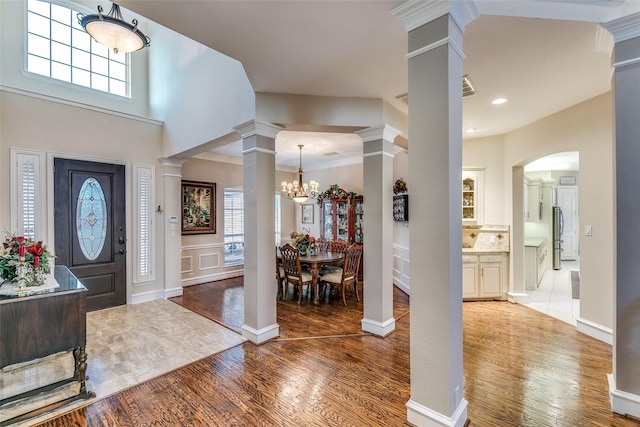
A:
331, 153
467, 86
403, 98
467, 90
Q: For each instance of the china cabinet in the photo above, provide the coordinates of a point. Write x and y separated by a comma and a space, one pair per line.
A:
342, 219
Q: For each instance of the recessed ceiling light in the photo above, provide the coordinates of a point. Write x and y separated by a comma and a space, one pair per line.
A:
499, 101
470, 130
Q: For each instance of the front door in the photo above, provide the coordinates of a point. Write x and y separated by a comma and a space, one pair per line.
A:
90, 232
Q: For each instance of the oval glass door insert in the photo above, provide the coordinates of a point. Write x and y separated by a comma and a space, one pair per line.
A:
91, 218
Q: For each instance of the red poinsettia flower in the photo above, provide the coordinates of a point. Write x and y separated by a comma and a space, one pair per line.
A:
35, 249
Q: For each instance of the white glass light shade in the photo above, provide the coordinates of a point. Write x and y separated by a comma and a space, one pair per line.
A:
113, 32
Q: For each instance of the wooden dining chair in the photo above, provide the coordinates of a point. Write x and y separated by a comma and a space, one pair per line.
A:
348, 274
337, 246
293, 272
280, 276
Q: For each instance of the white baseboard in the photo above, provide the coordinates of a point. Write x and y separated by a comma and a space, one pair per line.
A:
211, 277
147, 296
175, 292
262, 335
594, 330
381, 329
422, 416
623, 403
404, 287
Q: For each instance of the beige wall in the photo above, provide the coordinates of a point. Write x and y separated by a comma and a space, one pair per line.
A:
202, 258
586, 128
63, 130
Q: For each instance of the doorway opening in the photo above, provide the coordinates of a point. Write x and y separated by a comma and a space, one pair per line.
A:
551, 239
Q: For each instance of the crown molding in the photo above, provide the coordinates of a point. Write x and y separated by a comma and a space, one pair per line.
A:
625, 28
415, 13
384, 132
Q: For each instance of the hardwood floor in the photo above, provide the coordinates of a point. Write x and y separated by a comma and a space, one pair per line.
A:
521, 368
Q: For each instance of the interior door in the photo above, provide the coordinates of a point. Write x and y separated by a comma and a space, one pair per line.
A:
90, 232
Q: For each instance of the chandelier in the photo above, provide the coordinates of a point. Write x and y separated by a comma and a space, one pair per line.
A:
297, 190
113, 32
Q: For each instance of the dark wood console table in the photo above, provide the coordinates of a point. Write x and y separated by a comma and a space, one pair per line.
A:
42, 324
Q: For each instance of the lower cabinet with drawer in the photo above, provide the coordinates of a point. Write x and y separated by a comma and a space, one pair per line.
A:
485, 275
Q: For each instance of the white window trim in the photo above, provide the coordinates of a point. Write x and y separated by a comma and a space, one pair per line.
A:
140, 172
78, 8
18, 159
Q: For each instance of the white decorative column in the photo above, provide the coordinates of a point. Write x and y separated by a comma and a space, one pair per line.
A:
435, 162
259, 176
172, 181
624, 383
378, 152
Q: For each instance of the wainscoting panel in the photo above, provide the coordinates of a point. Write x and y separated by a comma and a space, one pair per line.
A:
186, 264
401, 268
205, 263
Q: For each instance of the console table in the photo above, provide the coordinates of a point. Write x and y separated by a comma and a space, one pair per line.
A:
43, 324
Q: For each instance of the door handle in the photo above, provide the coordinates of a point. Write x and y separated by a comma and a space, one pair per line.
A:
121, 240
121, 252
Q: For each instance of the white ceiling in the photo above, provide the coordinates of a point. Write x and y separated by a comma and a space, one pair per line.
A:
358, 49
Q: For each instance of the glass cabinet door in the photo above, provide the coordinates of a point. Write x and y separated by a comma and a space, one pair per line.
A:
342, 220
468, 199
358, 221
327, 212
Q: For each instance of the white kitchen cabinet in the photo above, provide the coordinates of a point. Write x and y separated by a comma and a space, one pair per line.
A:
485, 275
469, 276
535, 256
533, 200
472, 196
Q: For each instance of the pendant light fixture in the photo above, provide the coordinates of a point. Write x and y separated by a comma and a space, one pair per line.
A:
297, 190
113, 32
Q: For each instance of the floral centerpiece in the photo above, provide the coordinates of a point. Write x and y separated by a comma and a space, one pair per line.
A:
400, 186
304, 242
24, 261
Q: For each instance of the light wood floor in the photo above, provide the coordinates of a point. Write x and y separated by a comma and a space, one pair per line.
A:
521, 367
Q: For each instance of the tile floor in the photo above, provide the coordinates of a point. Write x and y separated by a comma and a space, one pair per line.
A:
127, 345
553, 296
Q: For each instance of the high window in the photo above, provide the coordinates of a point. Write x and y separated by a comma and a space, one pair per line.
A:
58, 47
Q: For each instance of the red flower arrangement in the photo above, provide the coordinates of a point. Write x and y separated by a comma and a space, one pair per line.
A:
18, 251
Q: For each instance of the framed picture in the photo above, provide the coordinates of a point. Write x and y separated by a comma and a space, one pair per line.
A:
401, 207
307, 214
198, 207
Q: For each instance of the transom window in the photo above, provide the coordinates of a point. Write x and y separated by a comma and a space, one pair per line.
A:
58, 47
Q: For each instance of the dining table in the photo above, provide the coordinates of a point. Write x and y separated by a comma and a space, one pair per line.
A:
315, 263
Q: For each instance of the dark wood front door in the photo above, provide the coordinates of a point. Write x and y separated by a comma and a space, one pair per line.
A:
90, 234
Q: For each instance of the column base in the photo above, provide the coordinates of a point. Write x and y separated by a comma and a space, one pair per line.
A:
381, 329
623, 403
262, 335
422, 416
518, 298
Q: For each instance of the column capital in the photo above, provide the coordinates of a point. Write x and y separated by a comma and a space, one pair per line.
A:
384, 132
253, 127
415, 13
174, 163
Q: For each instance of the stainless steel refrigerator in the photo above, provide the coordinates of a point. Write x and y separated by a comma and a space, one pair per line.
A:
558, 226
